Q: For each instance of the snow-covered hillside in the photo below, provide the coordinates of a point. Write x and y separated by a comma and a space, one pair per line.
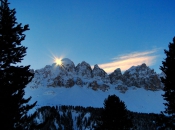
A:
80, 85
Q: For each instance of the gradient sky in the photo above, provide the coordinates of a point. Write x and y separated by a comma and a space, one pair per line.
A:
110, 33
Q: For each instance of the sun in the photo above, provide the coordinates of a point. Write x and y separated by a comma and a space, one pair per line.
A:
57, 61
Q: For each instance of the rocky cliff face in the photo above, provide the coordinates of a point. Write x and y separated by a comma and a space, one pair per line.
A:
142, 76
116, 76
67, 75
100, 74
84, 70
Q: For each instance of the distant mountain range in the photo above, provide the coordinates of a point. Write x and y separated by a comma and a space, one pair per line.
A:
66, 84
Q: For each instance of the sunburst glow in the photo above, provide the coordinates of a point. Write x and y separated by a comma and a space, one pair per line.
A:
57, 61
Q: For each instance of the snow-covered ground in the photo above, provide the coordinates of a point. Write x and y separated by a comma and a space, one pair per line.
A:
136, 99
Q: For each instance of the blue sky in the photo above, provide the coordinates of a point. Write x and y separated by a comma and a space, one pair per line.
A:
111, 33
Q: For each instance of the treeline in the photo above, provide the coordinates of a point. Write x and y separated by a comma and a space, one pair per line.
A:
81, 118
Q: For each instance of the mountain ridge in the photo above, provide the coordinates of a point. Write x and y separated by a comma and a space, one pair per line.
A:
67, 75
81, 85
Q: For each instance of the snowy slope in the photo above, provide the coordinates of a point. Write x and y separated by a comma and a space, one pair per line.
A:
137, 100
83, 86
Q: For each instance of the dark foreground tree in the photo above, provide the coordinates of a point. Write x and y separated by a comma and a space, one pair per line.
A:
114, 116
168, 68
13, 78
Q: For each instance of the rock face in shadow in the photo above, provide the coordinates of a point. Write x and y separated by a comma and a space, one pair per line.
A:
100, 74
84, 70
115, 76
67, 75
142, 76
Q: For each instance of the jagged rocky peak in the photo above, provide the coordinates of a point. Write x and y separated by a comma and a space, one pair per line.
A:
44, 72
84, 69
99, 73
115, 76
142, 76
143, 66
68, 64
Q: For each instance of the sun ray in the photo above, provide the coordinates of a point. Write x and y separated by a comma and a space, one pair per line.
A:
56, 59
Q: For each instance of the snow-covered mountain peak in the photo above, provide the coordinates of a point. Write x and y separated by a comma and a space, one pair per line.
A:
118, 70
143, 68
142, 76
100, 74
68, 64
83, 69
116, 76
96, 66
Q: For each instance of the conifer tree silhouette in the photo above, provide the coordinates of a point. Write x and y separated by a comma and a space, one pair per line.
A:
168, 68
114, 115
13, 78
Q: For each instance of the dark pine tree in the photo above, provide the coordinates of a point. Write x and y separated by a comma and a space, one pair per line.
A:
13, 78
114, 115
168, 68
